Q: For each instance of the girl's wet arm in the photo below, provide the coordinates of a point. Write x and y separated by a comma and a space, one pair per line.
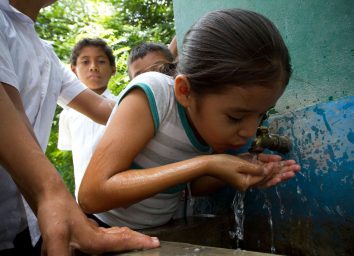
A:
108, 182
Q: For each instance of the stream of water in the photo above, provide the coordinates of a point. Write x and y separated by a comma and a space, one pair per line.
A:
239, 213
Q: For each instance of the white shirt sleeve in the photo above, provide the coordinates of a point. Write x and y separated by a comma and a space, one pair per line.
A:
7, 70
71, 86
64, 135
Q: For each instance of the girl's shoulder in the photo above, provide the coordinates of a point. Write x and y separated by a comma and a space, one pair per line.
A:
158, 84
159, 91
152, 79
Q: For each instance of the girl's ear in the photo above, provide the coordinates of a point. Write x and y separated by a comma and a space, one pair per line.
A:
182, 90
73, 69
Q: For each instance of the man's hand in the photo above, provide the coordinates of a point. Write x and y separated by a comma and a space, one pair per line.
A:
65, 229
63, 225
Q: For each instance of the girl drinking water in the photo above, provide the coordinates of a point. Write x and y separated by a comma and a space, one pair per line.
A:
168, 132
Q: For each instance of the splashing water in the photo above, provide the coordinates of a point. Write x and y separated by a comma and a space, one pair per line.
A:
238, 207
282, 207
268, 206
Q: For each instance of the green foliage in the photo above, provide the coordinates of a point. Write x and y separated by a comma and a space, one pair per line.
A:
58, 22
122, 23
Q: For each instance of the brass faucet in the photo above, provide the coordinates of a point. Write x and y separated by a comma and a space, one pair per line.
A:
265, 140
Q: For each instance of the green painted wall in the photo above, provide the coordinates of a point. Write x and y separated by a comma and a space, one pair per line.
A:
320, 37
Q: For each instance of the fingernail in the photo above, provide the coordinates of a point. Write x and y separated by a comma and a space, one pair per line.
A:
155, 240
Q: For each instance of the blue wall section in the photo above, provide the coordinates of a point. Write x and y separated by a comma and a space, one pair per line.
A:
316, 209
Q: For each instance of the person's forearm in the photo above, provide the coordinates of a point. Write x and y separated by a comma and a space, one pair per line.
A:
98, 194
21, 155
93, 106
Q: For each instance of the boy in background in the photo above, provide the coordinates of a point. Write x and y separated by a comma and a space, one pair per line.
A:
93, 63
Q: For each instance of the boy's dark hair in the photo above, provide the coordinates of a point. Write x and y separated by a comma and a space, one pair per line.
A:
96, 42
233, 47
141, 50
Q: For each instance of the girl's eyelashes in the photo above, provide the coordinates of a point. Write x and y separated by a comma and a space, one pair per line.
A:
234, 119
262, 117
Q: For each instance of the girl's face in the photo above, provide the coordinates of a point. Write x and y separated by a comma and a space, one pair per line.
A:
93, 68
226, 121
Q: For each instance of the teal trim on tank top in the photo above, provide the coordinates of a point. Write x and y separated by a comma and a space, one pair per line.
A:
152, 103
189, 131
171, 190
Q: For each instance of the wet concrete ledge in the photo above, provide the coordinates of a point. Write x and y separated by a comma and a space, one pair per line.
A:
200, 230
185, 249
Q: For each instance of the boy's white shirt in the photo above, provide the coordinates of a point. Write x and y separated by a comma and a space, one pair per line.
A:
79, 134
30, 65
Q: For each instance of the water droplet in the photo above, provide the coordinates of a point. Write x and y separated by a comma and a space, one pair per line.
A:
282, 210
339, 211
327, 209
298, 190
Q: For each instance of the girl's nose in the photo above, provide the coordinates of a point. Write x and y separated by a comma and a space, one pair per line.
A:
249, 127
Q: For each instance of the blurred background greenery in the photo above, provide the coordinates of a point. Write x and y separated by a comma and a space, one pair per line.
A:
122, 23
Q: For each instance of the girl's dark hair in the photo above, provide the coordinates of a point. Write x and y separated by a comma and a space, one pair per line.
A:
96, 42
233, 46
